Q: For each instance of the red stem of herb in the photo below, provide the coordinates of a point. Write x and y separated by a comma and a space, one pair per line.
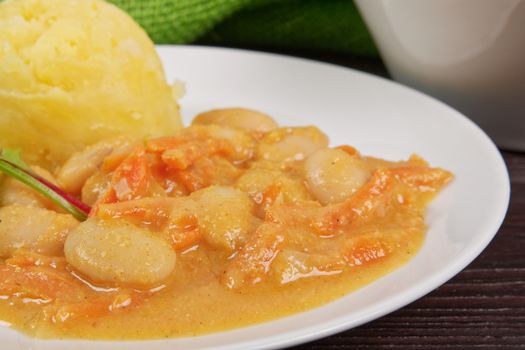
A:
77, 203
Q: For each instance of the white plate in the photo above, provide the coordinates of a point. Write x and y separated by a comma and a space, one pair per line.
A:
377, 116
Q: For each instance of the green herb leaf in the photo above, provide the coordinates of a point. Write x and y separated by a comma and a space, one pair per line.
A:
11, 164
13, 157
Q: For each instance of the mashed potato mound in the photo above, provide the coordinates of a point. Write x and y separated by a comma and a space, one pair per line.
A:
73, 72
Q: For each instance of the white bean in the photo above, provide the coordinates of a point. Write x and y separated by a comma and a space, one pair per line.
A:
333, 175
81, 165
95, 186
224, 216
257, 181
116, 251
35, 229
291, 144
242, 142
237, 117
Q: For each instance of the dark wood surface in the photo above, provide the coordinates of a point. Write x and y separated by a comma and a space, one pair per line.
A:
483, 307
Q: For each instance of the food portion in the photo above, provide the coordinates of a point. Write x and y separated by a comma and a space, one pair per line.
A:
117, 223
228, 222
73, 73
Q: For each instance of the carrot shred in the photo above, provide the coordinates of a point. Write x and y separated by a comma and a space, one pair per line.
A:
360, 206
365, 250
350, 150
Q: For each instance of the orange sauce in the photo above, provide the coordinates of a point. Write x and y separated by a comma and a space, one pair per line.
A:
294, 247
191, 309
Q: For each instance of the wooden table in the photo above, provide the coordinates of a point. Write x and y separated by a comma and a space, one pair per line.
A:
483, 307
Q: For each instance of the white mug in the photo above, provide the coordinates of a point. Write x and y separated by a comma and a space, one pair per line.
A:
468, 53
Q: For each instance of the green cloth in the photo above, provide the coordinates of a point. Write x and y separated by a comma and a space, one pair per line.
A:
323, 26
